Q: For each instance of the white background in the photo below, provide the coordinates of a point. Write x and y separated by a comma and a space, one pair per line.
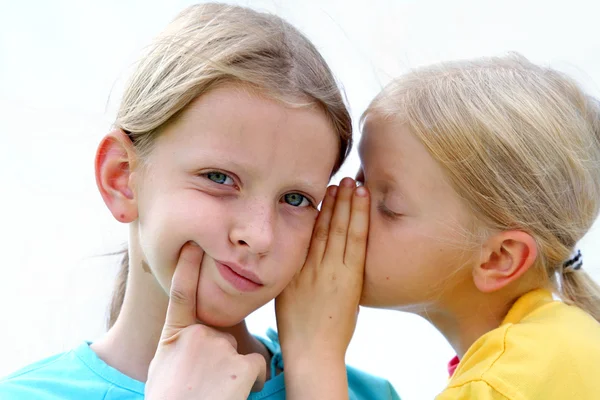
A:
60, 62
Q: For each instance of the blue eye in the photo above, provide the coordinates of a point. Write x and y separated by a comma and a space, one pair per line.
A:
220, 178
296, 200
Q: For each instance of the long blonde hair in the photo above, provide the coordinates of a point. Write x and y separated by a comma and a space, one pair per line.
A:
521, 145
212, 44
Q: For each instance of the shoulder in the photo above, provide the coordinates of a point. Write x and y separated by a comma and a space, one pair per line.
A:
62, 376
45, 379
477, 389
554, 350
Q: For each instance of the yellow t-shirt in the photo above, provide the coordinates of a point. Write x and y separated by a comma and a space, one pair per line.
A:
544, 350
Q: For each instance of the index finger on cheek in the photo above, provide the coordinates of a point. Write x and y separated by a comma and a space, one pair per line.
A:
181, 311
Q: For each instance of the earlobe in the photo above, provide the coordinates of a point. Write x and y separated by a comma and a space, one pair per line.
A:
115, 160
506, 256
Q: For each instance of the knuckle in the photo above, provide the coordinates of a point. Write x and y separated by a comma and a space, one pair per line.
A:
357, 237
197, 330
339, 230
246, 365
321, 234
250, 364
360, 204
177, 295
222, 343
170, 335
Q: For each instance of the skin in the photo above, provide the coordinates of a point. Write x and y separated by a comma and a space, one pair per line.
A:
333, 273
417, 260
175, 372
339, 238
237, 174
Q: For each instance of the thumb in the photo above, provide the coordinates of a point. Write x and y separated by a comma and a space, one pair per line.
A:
181, 311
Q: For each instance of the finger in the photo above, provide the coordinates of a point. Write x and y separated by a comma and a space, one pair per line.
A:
181, 311
358, 231
232, 341
210, 333
258, 370
318, 241
338, 228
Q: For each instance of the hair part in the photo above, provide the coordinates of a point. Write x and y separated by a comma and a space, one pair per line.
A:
520, 143
212, 44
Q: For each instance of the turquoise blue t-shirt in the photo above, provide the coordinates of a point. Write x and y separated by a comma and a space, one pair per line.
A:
80, 374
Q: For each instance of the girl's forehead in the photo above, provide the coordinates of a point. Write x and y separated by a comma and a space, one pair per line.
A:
390, 149
382, 135
238, 131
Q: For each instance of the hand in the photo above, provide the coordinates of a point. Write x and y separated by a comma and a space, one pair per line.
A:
317, 311
194, 361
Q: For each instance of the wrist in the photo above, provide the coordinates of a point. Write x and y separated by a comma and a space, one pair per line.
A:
314, 376
311, 361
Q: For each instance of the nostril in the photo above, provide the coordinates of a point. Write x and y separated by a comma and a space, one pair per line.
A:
242, 243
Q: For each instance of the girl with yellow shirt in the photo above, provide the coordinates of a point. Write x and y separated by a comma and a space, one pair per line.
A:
483, 176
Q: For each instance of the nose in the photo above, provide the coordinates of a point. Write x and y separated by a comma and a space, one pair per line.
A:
254, 229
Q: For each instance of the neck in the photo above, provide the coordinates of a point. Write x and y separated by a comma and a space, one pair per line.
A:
461, 331
129, 346
470, 318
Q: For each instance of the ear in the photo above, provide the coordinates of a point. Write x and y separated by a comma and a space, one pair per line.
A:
505, 257
115, 161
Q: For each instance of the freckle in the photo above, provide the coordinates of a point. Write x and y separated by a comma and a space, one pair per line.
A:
330, 317
122, 216
387, 278
234, 377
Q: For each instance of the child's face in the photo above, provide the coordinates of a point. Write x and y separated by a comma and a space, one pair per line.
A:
241, 176
415, 248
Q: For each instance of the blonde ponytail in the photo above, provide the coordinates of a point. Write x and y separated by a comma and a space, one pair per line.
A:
579, 289
576, 286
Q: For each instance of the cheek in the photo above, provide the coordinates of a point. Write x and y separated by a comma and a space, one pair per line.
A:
172, 221
389, 254
397, 265
291, 249
409, 264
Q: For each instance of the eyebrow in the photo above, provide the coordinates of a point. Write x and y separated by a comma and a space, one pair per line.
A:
310, 188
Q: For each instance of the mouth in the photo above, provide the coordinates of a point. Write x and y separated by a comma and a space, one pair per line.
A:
241, 279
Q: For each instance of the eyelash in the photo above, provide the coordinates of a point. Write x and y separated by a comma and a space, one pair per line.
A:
227, 176
389, 214
311, 203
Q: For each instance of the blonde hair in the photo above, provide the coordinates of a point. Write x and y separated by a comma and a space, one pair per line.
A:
520, 144
209, 45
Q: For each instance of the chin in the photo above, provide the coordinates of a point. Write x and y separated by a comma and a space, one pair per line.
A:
220, 319
370, 303
370, 299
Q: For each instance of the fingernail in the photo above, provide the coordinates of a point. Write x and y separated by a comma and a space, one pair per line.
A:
194, 244
361, 191
348, 182
333, 191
